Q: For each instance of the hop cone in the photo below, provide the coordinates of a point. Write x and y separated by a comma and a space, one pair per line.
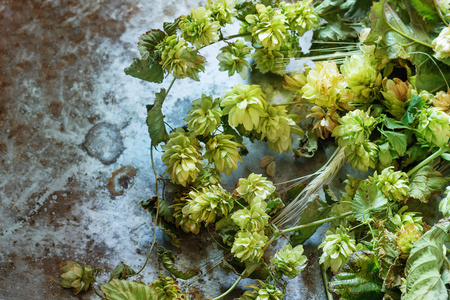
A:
233, 59
363, 156
262, 291
397, 94
207, 177
441, 44
301, 16
434, 127
244, 104
289, 262
182, 158
207, 204
337, 247
363, 78
255, 188
182, 220
325, 85
199, 28
270, 61
393, 184
77, 277
204, 115
180, 60
253, 219
223, 152
268, 27
295, 81
354, 130
249, 245
166, 288
404, 218
406, 237
444, 205
276, 127
222, 11
326, 121
442, 102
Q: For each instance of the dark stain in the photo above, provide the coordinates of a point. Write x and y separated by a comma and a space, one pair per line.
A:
121, 180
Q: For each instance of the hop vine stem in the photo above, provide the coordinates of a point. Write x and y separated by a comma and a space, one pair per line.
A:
428, 160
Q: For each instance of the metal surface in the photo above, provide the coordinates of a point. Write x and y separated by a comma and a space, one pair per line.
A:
69, 119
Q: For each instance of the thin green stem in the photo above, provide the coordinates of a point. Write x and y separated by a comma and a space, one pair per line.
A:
97, 293
170, 86
290, 103
428, 160
229, 37
440, 13
229, 290
319, 222
325, 282
157, 207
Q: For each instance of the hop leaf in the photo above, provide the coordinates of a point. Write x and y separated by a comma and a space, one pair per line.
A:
397, 95
253, 219
262, 291
244, 104
223, 152
204, 115
434, 127
363, 78
207, 204
222, 10
289, 262
179, 59
199, 28
233, 59
441, 44
268, 27
77, 277
249, 245
337, 247
182, 158
444, 205
326, 86
393, 184
255, 188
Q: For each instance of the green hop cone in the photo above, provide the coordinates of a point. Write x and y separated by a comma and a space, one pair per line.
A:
276, 128
326, 86
393, 184
166, 288
363, 78
233, 59
221, 150
179, 59
222, 11
255, 188
199, 28
207, 177
244, 104
434, 127
77, 277
268, 27
444, 205
397, 94
270, 61
406, 237
363, 156
356, 127
441, 44
289, 262
204, 115
209, 203
182, 220
404, 218
262, 291
182, 158
337, 247
295, 81
249, 245
253, 219
301, 16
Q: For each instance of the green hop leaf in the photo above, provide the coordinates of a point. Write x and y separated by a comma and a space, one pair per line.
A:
126, 290
168, 260
425, 183
368, 201
155, 120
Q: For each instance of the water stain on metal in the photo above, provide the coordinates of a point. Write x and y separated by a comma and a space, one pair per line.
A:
104, 142
121, 180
